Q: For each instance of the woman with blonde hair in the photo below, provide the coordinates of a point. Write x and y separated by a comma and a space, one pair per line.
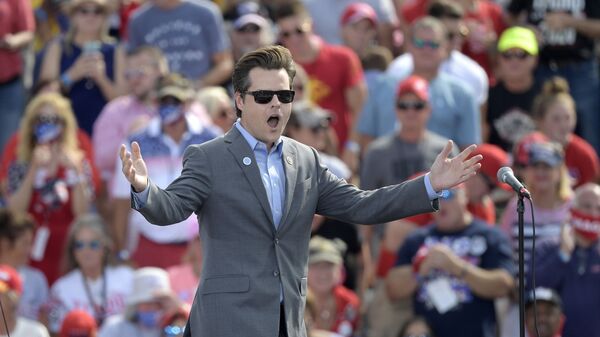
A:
555, 115
87, 61
91, 282
219, 106
47, 172
540, 163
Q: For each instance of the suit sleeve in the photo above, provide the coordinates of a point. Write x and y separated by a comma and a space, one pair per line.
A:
347, 203
184, 195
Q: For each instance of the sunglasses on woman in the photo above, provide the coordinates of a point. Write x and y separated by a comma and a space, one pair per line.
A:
265, 96
421, 44
93, 245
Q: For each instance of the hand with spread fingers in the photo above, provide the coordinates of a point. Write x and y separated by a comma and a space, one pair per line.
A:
448, 172
134, 167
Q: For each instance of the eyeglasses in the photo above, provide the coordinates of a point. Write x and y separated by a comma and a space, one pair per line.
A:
90, 10
174, 330
265, 96
298, 31
135, 73
420, 43
406, 105
249, 28
518, 54
94, 244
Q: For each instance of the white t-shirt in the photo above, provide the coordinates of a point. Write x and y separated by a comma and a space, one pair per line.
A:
119, 326
458, 65
28, 328
69, 293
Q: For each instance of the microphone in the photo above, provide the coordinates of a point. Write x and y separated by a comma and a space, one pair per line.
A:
507, 176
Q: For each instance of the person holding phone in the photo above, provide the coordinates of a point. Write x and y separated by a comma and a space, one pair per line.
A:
87, 61
47, 173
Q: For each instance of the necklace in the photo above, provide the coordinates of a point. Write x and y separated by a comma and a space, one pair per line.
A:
99, 309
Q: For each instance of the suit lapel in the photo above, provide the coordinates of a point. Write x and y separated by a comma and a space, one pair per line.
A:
290, 166
244, 157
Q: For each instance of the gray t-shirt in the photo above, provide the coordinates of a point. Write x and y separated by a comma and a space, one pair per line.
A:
390, 160
327, 14
189, 34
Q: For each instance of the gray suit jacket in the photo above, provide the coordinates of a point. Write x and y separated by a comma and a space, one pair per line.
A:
245, 257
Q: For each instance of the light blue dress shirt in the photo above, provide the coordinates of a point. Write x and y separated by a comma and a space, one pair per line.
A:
271, 171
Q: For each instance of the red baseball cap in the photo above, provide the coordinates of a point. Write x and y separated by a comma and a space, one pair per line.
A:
10, 280
493, 159
358, 11
536, 147
78, 322
415, 85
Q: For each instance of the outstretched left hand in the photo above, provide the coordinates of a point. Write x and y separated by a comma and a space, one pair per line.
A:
448, 172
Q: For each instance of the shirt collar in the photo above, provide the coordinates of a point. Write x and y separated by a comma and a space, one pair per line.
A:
253, 142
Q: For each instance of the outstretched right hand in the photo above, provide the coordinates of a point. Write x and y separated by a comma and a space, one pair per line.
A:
134, 167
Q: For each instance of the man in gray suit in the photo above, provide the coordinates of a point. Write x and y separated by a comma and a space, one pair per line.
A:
255, 193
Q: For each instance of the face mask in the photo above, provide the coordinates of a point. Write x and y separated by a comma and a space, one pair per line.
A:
170, 113
585, 225
45, 132
149, 319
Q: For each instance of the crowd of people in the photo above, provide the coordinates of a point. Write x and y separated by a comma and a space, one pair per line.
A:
381, 86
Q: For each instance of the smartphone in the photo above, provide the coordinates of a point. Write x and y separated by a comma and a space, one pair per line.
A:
91, 47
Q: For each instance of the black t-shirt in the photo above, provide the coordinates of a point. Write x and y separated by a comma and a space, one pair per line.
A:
564, 45
478, 244
509, 114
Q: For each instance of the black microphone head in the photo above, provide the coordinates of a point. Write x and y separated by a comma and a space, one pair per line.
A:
502, 173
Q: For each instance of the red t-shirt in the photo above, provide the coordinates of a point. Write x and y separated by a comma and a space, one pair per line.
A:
50, 203
335, 69
411, 10
485, 18
15, 16
582, 161
347, 311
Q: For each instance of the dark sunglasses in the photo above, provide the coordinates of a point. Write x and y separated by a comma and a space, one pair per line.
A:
420, 43
519, 55
89, 11
94, 244
298, 31
406, 105
174, 330
249, 28
265, 96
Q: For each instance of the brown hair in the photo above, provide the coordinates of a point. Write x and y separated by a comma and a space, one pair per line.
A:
14, 225
159, 58
269, 58
377, 58
289, 9
555, 90
429, 22
444, 9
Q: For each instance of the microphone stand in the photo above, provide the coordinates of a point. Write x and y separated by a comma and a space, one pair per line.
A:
520, 211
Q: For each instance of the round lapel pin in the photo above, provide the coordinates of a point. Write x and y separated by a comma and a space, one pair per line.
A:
247, 161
